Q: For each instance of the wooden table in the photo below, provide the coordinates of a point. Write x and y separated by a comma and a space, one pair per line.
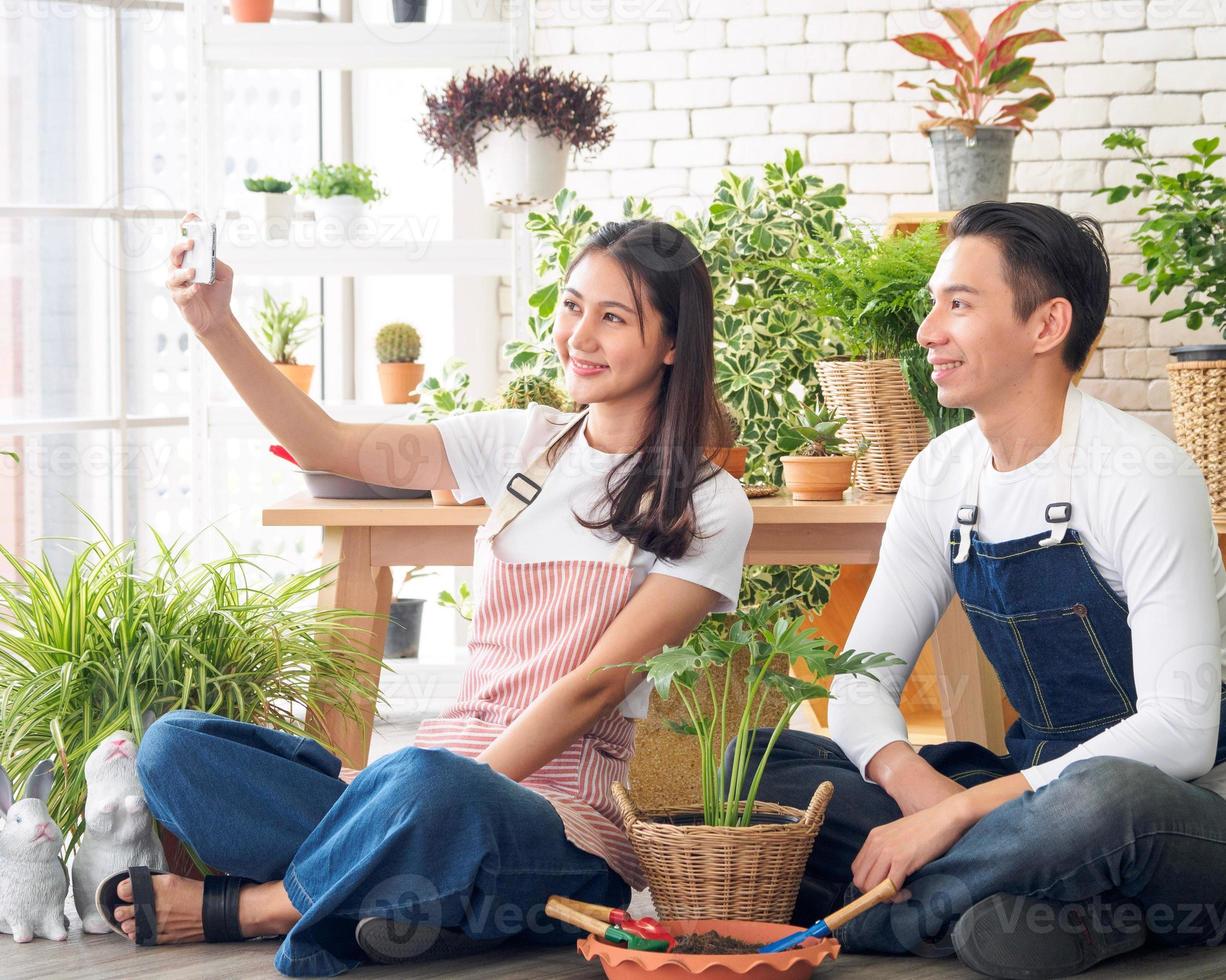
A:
366, 537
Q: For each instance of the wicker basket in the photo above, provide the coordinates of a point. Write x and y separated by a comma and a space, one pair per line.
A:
874, 398
1199, 413
701, 872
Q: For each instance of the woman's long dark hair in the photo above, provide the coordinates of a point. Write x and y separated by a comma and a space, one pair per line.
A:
650, 498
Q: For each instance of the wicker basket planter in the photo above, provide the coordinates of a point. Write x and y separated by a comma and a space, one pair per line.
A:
746, 873
874, 398
1198, 409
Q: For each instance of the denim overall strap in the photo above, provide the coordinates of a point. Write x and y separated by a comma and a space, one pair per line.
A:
1054, 630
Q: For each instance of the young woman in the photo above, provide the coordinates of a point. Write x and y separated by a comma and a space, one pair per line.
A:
609, 536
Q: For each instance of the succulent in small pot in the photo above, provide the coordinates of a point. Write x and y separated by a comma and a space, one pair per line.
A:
341, 192
725, 452
517, 127
275, 203
398, 345
972, 146
522, 390
282, 331
819, 461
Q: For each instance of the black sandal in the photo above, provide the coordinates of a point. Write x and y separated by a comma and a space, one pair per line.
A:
218, 913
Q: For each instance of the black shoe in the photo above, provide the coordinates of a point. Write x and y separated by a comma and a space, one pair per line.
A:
1019, 938
399, 940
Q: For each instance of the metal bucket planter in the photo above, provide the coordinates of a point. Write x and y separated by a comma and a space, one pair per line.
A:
1198, 409
967, 171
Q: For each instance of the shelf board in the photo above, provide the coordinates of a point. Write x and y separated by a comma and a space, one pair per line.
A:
471, 257
289, 44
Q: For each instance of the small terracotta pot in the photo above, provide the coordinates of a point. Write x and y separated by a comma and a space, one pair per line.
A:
397, 381
300, 374
817, 477
251, 11
445, 498
730, 458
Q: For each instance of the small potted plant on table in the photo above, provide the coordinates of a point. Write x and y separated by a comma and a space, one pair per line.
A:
398, 345
734, 857
341, 193
731, 457
522, 390
442, 396
819, 463
517, 128
282, 332
276, 204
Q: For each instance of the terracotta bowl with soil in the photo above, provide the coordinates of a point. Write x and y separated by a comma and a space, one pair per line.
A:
620, 963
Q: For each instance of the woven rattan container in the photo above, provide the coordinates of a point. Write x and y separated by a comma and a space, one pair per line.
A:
700, 872
874, 398
1198, 410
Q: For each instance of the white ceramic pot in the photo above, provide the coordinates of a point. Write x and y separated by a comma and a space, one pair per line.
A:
519, 167
276, 213
340, 211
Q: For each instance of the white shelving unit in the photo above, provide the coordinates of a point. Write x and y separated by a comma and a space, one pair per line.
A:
472, 36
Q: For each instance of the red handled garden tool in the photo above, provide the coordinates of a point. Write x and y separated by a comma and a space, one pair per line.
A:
642, 934
283, 453
825, 927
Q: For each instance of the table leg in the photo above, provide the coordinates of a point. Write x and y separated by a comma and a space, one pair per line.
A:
358, 585
970, 692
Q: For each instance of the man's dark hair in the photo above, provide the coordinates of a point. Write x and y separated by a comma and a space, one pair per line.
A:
1047, 254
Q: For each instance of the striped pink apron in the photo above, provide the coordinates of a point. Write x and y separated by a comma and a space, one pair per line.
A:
533, 623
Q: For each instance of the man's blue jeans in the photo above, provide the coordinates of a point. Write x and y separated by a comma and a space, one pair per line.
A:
420, 835
1110, 829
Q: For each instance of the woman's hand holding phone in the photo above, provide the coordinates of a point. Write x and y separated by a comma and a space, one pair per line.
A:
202, 305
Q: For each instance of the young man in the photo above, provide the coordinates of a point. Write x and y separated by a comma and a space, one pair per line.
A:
1080, 542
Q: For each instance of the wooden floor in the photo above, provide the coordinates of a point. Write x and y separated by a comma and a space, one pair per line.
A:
111, 956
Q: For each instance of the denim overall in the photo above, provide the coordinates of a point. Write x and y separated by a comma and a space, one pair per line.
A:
1056, 633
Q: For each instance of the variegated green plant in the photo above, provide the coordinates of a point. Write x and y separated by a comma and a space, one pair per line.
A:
701, 675
993, 70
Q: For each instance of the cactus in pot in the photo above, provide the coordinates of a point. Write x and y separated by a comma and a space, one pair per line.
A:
398, 345
524, 389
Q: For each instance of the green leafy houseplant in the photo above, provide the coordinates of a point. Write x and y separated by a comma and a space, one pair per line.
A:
397, 343
283, 330
446, 394
267, 185
461, 602
86, 654
564, 106
1182, 238
700, 674
817, 434
991, 70
332, 180
16, 458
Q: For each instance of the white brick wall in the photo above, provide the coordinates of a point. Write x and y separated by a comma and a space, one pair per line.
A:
697, 85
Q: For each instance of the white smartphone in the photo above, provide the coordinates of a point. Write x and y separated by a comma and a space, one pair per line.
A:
202, 256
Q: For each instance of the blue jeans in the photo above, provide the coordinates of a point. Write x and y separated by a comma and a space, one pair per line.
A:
1107, 829
420, 835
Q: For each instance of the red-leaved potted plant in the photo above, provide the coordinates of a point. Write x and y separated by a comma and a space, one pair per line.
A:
517, 127
972, 146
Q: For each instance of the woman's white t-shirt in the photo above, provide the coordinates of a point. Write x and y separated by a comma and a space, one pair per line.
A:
486, 448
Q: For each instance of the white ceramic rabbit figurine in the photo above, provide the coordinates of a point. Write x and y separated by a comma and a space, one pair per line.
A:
33, 879
118, 826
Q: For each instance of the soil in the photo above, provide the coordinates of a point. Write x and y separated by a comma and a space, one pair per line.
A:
712, 943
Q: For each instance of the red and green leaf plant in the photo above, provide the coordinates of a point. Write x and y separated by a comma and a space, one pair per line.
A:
993, 71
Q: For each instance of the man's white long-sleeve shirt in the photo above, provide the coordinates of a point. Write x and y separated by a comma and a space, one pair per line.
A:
1142, 509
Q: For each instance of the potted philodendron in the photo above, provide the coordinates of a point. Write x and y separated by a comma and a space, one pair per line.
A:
282, 332
705, 861
404, 626
88, 652
972, 139
398, 345
731, 457
517, 127
1184, 248
870, 294
340, 192
444, 395
276, 204
819, 463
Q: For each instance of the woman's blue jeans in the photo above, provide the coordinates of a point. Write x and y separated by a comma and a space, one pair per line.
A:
421, 835
1137, 845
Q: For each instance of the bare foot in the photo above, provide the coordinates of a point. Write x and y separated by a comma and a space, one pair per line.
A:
263, 909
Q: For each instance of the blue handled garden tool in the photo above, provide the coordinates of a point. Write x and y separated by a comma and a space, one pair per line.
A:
825, 927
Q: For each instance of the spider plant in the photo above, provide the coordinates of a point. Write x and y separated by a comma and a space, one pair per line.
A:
86, 655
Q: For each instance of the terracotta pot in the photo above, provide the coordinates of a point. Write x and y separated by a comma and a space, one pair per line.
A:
251, 11
730, 458
397, 381
817, 477
445, 498
300, 374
